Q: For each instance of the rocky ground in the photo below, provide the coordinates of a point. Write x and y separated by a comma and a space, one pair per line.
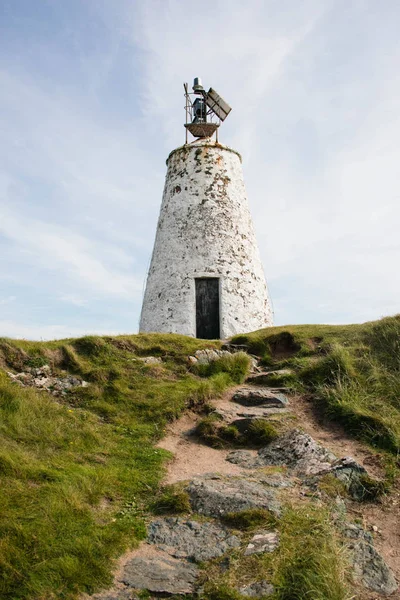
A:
42, 378
175, 556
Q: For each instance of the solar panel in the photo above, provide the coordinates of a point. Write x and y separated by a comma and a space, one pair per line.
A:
217, 104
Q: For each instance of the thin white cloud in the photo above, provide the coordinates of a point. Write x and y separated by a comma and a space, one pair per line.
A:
74, 299
55, 247
7, 300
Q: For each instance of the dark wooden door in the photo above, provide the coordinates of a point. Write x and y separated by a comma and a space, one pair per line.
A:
207, 308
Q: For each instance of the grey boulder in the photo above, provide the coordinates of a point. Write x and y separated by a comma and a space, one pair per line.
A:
349, 472
369, 567
259, 396
124, 594
208, 355
215, 495
298, 451
159, 572
244, 458
190, 539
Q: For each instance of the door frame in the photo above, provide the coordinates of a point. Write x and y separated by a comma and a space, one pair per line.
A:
205, 275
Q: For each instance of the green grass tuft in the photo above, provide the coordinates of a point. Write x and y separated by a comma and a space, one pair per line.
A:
208, 429
337, 365
332, 486
252, 518
221, 591
384, 340
214, 433
310, 562
171, 500
236, 365
373, 489
260, 433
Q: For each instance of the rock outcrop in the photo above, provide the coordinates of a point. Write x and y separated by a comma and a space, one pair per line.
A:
187, 538
43, 379
259, 396
214, 495
157, 571
172, 559
369, 567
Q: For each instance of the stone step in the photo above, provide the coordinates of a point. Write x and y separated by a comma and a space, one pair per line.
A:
237, 411
266, 378
157, 571
213, 495
243, 425
190, 539
259, 396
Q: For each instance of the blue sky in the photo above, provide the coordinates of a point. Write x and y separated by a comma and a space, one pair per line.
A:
91, 104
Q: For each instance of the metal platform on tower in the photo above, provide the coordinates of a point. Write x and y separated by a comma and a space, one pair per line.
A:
204, 111
202, 130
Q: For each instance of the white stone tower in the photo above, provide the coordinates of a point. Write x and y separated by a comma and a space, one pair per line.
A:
206, 278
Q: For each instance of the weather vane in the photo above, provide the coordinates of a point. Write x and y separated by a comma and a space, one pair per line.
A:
205, 112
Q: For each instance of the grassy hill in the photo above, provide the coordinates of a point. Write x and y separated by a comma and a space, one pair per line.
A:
351, 372
79, 471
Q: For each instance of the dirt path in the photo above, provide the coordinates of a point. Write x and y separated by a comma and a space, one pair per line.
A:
191, 459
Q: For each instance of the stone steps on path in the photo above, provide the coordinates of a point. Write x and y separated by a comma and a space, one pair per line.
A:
250, 402
167, 563
268, 378
248, 395
230, 412
171, 560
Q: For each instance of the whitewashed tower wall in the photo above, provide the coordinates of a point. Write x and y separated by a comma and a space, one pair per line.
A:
205, 230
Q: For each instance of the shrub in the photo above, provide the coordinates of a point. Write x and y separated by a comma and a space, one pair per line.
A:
36, 362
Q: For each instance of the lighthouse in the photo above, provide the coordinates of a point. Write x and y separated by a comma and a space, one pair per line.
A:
206, 278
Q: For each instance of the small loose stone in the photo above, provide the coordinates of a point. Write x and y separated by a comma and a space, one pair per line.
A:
261, 542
